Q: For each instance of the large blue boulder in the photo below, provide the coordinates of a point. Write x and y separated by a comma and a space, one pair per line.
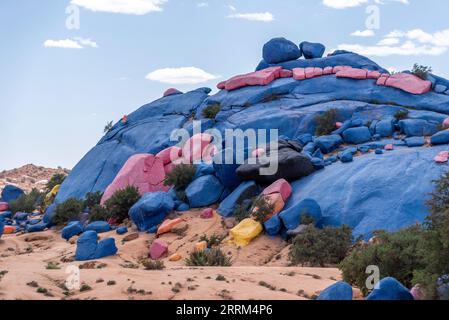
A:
204, 191
413, 142
245, 190
203, 169
11, 193
390, 289
88, 247
98, 226
293, 211
441, 137
329, 143
339, 291
372, 193
385, 128
74, 228
312, 50
279, 50
357, 135
38, 227
417, 127
273, 226
226, 163
151, 210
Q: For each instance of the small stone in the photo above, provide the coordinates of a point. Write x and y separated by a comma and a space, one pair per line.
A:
230, 223
207, 213
130, 237
175, 257
201, 246
158, 248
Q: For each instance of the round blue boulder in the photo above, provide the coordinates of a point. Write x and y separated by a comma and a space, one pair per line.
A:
74, 228
441, 137
280, 50
291, 216
11, 193
204, 191
339, 291
121, 230
312, 50
357, 135
151, 210
99, 226
390, 289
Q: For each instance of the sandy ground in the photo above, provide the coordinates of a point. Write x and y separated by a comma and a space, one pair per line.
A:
259, 271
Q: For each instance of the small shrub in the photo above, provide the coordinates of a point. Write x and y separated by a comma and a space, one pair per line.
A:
92, 199
211, 111
27, 202
213, 258
56, 179
243, 210
401, 115
261, 209
325, 123
321, 247
220, 277
111, 283
307, 219
41, 290
153, 265
121, 201
33, 284
99, 213
181, 176
68, 211
108, 127
266, 285
421, 71
85, 287
53, 266
212, 241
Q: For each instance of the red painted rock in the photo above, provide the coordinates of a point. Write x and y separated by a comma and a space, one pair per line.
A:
207, 213
299, 73
158, 249
352, 73
317, 72
280, 186
221, 85
144, 171
446, 123
340, 68
327, 71
258, 78
442, 157
389, 147
169, 155
310, 73
286, 73
171, 91
4, 206
406, 82
168, 225
373, 75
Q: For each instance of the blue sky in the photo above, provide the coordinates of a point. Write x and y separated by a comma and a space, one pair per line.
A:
59, 86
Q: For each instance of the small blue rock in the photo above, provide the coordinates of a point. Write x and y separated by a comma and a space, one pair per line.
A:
379, 151
273, 226
279, 50
339, 291
329, 143
121, 230
99, 226
441, 137
415, 142
390, 289
74, 228
183, 207
312, 50
318, 163
357, 135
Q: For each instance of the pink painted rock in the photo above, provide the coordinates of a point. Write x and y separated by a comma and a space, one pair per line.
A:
441, 159
207, 213
417, 292
389, 147
327, 71
446, 123
286, 73
337, 69
310, 73
144, 171
338, 125
373, 75
169, 168
158, 249
406, 82
258, 78
171, 91
221, 85
4, 206
170, 154
280, 186
352, 73
198, 147
317, 72
299, 73
382, 79
258, 153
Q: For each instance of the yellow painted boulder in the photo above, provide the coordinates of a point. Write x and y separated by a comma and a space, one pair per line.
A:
243, 233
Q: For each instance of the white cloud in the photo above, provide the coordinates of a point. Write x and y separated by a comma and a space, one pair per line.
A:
342, 4
263, 16
232, 8
202, 4
137, 7
388, 42
364, 33
75, 43
183, 75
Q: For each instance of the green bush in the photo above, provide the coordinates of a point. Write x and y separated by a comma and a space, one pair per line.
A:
181, 176
56, 179
99, 213
92, 199
401, 115
211, 111
68, 211
421, 71
243, 210
321, 247
121, 201
261, 209
212, 258
325, 123
396, 255
152, 265
27, 202
307, 219
213, 240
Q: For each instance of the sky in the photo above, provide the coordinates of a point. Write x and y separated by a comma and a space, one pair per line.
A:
67, 67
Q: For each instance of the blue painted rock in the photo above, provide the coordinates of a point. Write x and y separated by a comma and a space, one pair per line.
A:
98, 226
38, 227
417, 127
385, 128
279, 50
151, 210
441, 137
11, 193
49, 214
357, 135
390, 289
204, 191
2, 227
88, 247
413, 142
183, 207
72, 229
339, 291
203, 169
443, 287
312, 50
245, 190
273, 226
292, 213
329, 143
121, 230
346, 156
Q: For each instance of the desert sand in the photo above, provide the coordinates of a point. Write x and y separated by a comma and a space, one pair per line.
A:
259, 271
